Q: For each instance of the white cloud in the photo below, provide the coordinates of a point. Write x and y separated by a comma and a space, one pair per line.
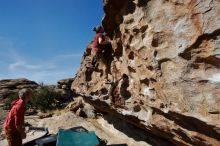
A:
23, 65
49, 71
16, 64
20, 63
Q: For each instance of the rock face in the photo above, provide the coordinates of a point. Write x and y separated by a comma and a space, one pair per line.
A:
9, 86
63, 87
169, 53
81, 108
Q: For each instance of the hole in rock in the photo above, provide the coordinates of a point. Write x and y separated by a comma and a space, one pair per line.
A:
131, 55
104, 91
145, 81
143, 28
131, 69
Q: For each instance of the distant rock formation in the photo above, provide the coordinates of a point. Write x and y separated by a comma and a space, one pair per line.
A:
170, 52
63, 87
81, 108
9, 86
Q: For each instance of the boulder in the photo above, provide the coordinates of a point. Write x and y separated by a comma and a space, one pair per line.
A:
9, 86
75, 105
169, 50
63, 87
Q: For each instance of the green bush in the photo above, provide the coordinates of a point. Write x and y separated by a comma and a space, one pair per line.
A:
43, 99
9, 100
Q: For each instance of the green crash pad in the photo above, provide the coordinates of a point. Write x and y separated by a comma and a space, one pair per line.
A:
76, 138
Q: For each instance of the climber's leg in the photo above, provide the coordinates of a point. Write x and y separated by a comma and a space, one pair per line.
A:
95, 53
105, 66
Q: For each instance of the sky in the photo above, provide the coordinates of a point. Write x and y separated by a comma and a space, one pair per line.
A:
43, 40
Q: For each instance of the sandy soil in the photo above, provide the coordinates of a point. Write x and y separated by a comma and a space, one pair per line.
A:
107, 127
104, 129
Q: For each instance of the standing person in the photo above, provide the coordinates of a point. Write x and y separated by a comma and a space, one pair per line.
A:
14, 124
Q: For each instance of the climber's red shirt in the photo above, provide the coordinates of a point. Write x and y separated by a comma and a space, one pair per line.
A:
16, 115
96, 47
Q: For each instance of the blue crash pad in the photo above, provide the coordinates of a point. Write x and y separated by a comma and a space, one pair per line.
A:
76, 138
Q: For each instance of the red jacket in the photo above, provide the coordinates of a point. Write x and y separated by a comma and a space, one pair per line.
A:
16, 115
96, 47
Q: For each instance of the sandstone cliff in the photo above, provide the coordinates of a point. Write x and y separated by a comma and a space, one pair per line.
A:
169, 53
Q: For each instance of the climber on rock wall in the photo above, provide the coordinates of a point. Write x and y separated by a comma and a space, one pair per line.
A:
97, 45
98, 49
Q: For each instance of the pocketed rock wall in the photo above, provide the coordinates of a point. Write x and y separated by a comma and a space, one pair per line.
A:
170, 52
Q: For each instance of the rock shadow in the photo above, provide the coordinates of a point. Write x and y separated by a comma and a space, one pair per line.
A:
134, 132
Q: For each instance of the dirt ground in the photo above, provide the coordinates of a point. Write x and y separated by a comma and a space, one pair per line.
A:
104, 129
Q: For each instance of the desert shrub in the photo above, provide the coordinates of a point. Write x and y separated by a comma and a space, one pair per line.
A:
9, 100
44, 99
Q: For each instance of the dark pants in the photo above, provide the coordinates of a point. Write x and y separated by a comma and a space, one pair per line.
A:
100, 57
13, 138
